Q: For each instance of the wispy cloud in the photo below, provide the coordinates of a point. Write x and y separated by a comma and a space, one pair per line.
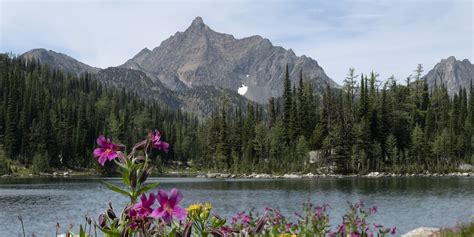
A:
390, 37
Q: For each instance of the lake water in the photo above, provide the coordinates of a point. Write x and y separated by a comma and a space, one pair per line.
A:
405, 202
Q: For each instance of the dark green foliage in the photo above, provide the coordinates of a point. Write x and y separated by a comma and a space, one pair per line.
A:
56, 118
40, 163
4, 166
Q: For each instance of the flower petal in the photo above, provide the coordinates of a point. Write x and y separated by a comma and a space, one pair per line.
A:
143, 197
102, 159
180, 213
157, 213
112, 155
98, 152
165, 146
102, 141
162, 197
116, 147
175, 197
151, 200
167, 217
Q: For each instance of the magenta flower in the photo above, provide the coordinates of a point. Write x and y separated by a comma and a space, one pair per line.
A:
142, 210
106, 151
169, 206
373, 210
155, 138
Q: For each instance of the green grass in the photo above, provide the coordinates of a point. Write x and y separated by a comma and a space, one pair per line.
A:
461, 230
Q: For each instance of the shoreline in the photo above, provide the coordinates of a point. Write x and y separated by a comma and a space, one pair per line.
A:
210, 175
253, 175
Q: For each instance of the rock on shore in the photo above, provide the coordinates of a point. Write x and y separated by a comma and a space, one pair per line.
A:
423, 232
322, 175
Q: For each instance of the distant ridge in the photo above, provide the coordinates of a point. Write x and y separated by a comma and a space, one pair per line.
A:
60, 61
452, 73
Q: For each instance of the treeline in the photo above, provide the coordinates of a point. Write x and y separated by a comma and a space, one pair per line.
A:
365, 126
50, 120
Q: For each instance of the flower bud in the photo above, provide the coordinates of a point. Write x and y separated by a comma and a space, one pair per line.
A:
111, 214
217, 221
260, 225
140, 145
133, 178
102, 220
145, 175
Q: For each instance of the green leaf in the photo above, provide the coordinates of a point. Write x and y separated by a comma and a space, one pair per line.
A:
129, 162
82, 233
147, 188
121, 165
109, 233
116, 188
125, 178
172, 233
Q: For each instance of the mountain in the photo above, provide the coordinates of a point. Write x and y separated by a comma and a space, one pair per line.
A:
454, 74
59, 61
200, 56
139, 83
200, 100
193, 69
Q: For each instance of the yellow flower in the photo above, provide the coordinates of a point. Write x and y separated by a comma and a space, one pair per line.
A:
288, 235
195, 209
207, 206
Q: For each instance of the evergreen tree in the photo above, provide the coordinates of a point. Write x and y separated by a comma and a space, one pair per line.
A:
287, 101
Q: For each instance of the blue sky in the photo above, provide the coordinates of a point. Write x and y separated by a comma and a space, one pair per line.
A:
390, 37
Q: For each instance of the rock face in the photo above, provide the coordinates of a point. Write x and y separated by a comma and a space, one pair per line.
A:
59, 61
200, 56
200, 100
454, 74
138, 82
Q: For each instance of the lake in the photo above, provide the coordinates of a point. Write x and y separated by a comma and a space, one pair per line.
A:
404, 202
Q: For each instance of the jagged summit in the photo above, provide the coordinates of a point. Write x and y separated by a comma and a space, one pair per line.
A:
200, 56
453, 73
193, 68
198, 25
198, 22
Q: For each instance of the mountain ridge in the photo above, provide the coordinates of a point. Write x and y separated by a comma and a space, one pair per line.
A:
60, 61
200, 60
452, 73
201, 56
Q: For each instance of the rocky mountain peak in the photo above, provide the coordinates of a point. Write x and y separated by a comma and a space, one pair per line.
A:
200, 56
450, 60
198, 22
466, 61
144, 52
197, 25
452, 73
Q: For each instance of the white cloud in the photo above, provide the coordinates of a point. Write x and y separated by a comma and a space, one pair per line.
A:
387, 36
